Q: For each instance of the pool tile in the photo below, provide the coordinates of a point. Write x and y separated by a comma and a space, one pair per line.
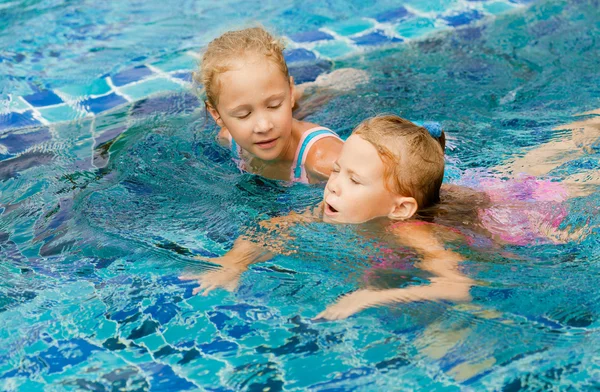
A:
60, 113
131, 75
43, 98
185, 76
375, 38
352, 26
176, 62
333, 49
149, 87
153, 342
101, 104
167, 103
498, 7
97, 87
16, 105
163, 378
394, 15
298, 55
310, 72
417, 27
68, 353
438, 6
463, 18
17, 120
311, 36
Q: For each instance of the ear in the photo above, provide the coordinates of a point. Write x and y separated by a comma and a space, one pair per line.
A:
293, 91
214, 114
403, 208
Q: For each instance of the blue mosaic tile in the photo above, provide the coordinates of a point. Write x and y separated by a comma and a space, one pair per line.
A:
101, 104
417, 27
59, 113
131, 75
352, 26
498, 7
185, 76
463, 18
163, 311
309, 73
17, 120
298, 55
68, 353
97, 87
163, 378
218, 346
168, 103
15, 105
149, 87
43, 98
333, 49
176, 62
394, 15
311, 36
148, 327
437, 6
375, 38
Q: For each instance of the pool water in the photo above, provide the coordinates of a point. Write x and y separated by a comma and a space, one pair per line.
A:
103, 208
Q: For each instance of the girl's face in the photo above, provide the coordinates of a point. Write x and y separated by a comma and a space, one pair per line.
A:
255, 105
355, 192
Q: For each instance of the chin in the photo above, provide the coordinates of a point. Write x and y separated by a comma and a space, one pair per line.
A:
270, 155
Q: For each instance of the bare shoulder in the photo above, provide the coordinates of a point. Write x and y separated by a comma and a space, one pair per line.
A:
322, 155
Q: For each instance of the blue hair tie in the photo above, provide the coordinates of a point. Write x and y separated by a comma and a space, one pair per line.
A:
434, 127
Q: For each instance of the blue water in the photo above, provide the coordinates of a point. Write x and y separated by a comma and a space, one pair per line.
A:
101, 217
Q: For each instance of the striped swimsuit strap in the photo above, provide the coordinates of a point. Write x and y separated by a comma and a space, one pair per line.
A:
309, 138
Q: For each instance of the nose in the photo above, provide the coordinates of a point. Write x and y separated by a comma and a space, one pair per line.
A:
263, 124
333, 185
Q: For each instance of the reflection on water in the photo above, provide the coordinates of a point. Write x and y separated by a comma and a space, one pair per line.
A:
98, 222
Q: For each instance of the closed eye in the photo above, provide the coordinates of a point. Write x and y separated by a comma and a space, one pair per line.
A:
275, 106
243, 116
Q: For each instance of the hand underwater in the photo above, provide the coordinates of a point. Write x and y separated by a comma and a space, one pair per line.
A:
226, 277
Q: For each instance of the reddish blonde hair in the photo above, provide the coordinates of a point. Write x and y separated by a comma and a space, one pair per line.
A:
413, 159
230, 46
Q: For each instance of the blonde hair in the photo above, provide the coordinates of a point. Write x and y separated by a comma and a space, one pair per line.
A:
413, 159
230, 46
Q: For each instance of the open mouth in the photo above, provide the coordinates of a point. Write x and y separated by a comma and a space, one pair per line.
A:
266, 144
329, 210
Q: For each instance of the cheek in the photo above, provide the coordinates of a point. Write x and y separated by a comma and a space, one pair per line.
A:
284, 115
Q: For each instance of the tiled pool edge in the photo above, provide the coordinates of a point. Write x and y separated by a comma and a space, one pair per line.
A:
309, 54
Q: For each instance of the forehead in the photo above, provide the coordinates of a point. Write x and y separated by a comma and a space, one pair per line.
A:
250, 78
361, 156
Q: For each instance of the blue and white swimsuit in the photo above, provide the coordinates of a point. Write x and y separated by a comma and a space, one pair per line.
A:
309, 138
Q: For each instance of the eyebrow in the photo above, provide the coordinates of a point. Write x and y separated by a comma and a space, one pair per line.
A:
275, 96
352, 172
240, 107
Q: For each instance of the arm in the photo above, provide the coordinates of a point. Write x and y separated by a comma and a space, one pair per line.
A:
448, 282
548, 156
249, 249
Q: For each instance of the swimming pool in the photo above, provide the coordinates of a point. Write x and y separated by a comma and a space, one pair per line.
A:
112, 181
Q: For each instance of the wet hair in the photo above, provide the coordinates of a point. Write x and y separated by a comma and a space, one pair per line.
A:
413, 159
222, 51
